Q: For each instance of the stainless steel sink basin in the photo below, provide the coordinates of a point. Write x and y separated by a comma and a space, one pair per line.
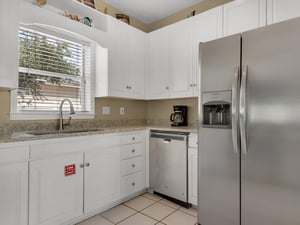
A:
37, 133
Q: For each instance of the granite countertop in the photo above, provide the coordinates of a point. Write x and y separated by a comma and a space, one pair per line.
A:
40, 135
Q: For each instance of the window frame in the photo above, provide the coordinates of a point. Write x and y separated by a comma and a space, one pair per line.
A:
15, 114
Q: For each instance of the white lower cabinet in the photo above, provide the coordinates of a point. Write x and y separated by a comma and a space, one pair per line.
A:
133, 166
193, 169
14, 185
102, 183
54, 197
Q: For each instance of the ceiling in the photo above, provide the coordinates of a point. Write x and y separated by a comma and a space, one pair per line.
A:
149, 11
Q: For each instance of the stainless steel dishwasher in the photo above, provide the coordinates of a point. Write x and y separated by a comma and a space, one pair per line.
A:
168, 165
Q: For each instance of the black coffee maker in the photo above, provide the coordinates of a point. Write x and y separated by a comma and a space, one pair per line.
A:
179, 116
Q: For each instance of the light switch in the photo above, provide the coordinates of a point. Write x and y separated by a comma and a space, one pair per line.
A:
105, 110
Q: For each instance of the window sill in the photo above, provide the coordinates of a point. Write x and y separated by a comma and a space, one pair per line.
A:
48, 115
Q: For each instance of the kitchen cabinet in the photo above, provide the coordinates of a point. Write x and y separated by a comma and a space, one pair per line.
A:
193, 168
13, 185
73, 177
9, 44
159, 63
280, 10
133, 165
126, 59
54, 197
181, 73
243, 15
102, 183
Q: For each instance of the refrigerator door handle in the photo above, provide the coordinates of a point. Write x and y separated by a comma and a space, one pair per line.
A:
243, 110
235, 110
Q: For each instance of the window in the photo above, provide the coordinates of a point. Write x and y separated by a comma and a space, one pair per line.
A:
53, 67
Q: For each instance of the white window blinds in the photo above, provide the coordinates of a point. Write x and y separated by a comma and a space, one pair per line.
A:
52, 68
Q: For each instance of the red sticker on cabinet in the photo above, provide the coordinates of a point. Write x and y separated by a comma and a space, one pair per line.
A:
70, 170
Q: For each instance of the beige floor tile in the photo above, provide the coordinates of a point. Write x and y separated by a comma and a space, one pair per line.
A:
153, 197
191, 211
118, 213
139, 203
96, 220
158, 211
138, 219
169, 203
180, 218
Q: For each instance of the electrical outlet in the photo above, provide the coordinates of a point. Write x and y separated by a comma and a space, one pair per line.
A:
122, 110
105, 110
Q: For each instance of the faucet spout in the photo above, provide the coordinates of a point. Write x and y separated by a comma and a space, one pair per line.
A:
72, 111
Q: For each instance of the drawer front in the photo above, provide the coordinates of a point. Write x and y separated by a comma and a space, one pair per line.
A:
130, 151
133, 165
132, 183
132, 138
193, 140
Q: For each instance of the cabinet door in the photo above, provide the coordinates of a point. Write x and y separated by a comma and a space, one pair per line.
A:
135, 63
14, 193
9, 44
280, 10
193, 175
243, 15
159, 63
116, 60
181, 35
56, 197
102, 178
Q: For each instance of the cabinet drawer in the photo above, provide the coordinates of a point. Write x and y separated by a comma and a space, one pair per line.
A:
132, 183
132, 138
133, 165
193, 140
130, 151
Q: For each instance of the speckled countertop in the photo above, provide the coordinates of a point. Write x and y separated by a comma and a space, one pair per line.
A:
39, 135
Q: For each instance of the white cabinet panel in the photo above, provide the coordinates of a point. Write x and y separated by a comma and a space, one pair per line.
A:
14, 193
132, 165
280, 10
193, 169
102, 178
159, 63
243, 15
9, 44
132, 183
14, 184
126, 53
181, 74
54, 197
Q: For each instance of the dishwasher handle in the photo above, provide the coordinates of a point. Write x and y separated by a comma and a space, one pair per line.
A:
166, 140
169, 138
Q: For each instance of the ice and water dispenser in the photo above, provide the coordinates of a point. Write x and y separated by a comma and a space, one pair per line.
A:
217, 109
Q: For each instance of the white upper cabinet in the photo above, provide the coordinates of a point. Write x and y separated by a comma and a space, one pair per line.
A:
243, 15
280, 10
181, 73
9, 44
126, 59
159, 63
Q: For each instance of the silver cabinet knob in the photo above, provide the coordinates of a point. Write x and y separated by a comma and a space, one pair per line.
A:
87, 164
191, 85
133, 150
167, 87
81, 165
133, 138
133, 165
133, 183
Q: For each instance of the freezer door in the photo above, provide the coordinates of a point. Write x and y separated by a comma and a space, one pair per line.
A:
219, 176
270, 177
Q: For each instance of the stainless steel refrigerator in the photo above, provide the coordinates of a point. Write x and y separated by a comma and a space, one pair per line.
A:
249, 137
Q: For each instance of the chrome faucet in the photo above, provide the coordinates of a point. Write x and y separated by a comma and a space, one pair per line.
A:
72, 111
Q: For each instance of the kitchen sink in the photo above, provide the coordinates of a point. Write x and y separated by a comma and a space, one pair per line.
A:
37, 133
